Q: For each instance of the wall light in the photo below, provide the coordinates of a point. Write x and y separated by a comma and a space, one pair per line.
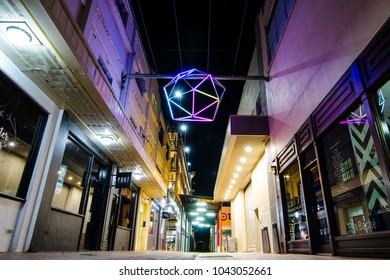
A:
107, 139
137, 175
19, 33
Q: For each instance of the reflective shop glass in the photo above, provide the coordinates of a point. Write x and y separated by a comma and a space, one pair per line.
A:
19, 123
296, 211
71, 178
359, 196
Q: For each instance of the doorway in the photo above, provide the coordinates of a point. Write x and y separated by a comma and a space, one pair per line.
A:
319, 229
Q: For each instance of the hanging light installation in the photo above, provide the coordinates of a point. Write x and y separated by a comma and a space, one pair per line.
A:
194, 96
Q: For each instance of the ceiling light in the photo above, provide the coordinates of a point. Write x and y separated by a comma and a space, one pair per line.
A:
137, 174
210, 214
194, 213
239, 168
243, 159
201, 210
201, 204
195, 223
248, 149
18, 36
235, 175
232, 181
107, 139
199, 218
230, 186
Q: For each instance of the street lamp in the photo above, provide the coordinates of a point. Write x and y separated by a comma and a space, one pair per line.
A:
183, 128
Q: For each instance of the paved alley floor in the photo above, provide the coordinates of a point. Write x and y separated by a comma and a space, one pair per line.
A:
160, 255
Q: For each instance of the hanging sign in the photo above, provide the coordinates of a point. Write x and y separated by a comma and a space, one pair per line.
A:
123, 180
166, 215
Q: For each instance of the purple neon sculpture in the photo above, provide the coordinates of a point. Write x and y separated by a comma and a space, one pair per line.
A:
194, 96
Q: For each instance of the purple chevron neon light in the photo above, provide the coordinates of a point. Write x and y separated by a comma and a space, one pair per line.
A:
355, 118
194, 96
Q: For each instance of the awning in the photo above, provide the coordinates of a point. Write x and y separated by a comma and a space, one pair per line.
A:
244, 145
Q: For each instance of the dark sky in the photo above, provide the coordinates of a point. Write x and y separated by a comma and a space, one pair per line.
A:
213, 36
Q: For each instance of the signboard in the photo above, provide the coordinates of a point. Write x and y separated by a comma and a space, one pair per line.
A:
226, 217
166, 215
123, 180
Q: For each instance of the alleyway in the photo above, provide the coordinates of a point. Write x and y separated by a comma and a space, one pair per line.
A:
160, 255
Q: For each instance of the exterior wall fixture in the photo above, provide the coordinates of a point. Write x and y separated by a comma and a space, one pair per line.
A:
19, 34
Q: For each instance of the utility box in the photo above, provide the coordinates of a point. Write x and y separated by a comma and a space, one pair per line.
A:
231, 244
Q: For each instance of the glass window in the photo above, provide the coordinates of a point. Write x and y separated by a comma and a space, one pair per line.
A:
359, 196
277, 23
296, 211
71, 178
20, 121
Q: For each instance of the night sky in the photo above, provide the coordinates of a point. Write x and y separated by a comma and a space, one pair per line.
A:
212, 37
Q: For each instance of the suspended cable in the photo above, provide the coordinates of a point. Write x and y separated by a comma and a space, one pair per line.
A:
177, 34
239, 38
147, 37
208, 47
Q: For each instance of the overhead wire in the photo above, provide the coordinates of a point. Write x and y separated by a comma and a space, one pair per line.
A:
239, 38
147, 37
177, 34
208, 39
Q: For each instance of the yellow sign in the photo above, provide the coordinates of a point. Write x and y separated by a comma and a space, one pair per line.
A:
226, 217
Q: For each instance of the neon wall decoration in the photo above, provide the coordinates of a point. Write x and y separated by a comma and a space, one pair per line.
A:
194, 95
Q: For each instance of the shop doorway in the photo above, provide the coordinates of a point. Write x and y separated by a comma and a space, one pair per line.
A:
319, 230
92, 230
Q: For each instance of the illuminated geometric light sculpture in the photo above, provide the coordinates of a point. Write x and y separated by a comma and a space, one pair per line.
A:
194, 95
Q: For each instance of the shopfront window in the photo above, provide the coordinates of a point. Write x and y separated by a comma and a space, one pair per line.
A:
21, 125
296, 211
359, 196
71, 178
128, 208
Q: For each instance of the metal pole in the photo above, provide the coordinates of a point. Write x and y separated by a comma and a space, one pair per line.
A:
168, 77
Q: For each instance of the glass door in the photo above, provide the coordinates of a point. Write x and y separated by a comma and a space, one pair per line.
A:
319, 230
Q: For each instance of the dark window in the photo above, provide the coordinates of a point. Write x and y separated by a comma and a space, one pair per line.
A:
105, 70
122, 11
277, 23
22, 124
141, 85
161, 135
259, 111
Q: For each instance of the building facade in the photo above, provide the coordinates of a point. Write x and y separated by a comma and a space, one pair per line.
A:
320, 183
84, 149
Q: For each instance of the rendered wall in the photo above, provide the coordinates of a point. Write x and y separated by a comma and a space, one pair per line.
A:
320, 42
238, 221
